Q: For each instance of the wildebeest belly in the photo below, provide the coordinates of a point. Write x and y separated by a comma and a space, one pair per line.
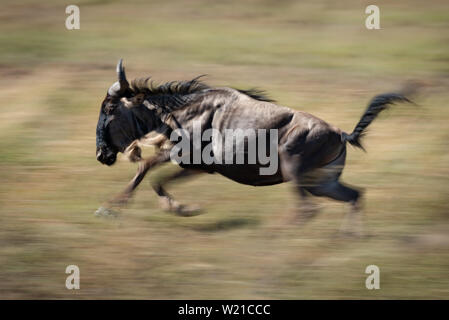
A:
248, 174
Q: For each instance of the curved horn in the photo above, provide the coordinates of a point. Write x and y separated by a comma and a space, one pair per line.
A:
121, 75
119, 87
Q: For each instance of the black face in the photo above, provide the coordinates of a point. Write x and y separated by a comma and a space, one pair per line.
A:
118, 126
115, 130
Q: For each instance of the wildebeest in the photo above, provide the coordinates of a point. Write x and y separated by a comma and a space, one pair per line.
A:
311, 152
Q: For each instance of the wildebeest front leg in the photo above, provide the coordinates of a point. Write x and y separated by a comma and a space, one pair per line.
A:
144, 166
166, 200
122, 198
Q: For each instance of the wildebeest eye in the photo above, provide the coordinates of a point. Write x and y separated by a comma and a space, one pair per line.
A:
138, 99
109, 107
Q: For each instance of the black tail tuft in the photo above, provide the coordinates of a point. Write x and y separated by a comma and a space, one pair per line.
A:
377, 104
354, 140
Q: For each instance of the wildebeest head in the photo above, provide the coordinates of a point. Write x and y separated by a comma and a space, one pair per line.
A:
118, 126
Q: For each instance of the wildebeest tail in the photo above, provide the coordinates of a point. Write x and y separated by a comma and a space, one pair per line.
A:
377, 104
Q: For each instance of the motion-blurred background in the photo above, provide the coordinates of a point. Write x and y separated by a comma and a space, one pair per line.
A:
316, 56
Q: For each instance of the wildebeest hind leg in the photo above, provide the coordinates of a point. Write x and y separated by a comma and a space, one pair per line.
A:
290, 166
352, 222
308, 209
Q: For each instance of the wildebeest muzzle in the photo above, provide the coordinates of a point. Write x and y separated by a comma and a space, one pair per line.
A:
106, 156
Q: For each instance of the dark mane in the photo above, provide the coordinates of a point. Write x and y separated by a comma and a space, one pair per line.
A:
175, 94
170, 95
148, 87
256, 94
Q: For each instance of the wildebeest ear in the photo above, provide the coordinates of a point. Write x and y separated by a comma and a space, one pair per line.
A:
119, 87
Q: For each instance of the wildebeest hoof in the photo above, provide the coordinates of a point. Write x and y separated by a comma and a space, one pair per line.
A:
171, 205
168, 204
188, 211
106, 212
306, 214
309, 211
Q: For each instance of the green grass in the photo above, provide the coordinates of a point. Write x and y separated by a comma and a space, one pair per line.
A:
317, 57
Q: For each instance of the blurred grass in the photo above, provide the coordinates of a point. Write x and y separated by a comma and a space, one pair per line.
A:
317, 57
